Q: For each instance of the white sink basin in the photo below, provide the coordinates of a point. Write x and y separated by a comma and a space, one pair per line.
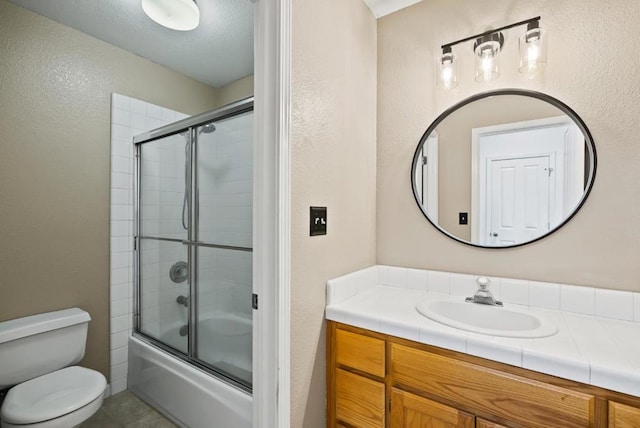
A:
485, 319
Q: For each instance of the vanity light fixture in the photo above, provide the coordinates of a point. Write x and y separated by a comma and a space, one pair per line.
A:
487, 47
533, 49
181, 15
447, 69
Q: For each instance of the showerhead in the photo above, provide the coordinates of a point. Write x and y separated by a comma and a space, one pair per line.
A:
207, 129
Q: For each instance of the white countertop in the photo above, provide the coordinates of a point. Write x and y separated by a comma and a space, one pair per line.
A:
593, 350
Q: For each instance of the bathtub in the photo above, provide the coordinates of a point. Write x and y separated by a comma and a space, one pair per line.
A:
187, 395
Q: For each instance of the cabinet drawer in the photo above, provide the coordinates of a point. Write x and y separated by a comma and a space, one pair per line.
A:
514, 398
360, 352
621, 416
359, 401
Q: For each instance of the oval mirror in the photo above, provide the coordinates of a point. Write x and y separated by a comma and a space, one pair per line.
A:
503, 168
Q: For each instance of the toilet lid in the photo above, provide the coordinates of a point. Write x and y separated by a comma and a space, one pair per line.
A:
52, 395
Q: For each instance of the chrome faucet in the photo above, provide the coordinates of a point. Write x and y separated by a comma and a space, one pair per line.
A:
483, 295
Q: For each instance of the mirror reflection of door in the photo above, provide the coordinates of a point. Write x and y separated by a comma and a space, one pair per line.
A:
530, 176
518, 194
426, 177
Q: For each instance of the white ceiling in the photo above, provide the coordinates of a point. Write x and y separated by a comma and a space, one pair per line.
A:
218, 52
381, 8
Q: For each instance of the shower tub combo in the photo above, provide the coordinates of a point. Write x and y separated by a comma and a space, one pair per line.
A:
191, 352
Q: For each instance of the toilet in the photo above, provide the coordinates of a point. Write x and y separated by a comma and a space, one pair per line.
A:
37, 357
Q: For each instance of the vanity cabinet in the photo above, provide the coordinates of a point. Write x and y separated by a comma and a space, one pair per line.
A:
375, 380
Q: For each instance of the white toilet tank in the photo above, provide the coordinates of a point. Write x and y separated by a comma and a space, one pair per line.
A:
40, 344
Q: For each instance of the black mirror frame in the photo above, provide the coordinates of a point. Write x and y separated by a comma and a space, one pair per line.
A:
527, 93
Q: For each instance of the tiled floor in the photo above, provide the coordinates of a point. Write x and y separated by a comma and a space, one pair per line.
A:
124, 410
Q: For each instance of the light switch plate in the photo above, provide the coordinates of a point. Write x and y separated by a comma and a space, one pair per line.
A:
463, 218
317, 221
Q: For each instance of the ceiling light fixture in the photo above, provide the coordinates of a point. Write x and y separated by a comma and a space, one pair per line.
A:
181, 15
486, 48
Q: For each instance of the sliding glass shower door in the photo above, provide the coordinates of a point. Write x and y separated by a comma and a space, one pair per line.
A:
224, 211
194, 240
163, 226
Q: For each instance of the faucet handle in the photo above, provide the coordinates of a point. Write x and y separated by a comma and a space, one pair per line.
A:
483, 295
483, 282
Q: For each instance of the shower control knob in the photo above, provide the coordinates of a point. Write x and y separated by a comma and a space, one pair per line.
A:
179, 272
183, 300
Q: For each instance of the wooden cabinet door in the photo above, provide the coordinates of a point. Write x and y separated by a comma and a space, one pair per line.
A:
621, 416
359, 401
482, 423
412, 411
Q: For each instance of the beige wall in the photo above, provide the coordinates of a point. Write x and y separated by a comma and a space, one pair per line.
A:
454, 150
55, 88
234, 91
333, 164
592, 66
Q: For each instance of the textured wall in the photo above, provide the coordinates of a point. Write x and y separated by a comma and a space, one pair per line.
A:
234, 91
56, 86
333, 164
592, 66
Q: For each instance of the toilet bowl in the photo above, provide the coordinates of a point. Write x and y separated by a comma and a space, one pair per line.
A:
64, 398
35, 355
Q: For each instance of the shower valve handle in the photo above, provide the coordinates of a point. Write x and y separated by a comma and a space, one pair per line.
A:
183, 300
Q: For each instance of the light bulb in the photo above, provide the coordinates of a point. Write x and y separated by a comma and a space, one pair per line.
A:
533, 52
487, 67
486, 49
447, 70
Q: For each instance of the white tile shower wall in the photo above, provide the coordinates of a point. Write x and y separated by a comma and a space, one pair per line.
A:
129, 117
622, 305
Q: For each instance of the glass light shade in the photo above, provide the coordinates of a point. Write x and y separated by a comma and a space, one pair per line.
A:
447, 71
487, 63
181, 15
487, 47
533, 51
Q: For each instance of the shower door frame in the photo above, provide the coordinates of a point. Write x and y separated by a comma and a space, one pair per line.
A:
189, 124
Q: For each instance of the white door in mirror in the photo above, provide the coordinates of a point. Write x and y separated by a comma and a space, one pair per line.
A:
526, 179
486, 319
518, 205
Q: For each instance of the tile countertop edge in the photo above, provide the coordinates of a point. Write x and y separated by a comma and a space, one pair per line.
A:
362, 312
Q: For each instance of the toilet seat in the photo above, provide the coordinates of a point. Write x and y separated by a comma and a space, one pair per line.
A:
54, 395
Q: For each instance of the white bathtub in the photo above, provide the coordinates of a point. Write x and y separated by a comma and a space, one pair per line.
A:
188, 395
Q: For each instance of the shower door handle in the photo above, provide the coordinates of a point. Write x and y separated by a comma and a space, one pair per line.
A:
222, 247
193, 243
